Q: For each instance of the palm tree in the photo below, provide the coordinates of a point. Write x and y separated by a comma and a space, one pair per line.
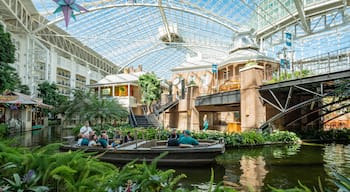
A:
104, 110
88, 107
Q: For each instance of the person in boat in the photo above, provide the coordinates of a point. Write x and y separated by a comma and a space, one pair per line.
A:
80, 139
86, 129
117, 139
173, 138
93, 140
187, 139
128, 137
85, 140
104, 134
103, 140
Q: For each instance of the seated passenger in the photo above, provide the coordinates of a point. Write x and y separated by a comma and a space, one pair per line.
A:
128, 137
173, 138
104, 133
117, 139
104, 141
80, 139
85, 140
187, 139
93, 139
86, 129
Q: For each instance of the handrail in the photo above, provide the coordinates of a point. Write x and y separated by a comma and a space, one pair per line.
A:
326, 63
133, 117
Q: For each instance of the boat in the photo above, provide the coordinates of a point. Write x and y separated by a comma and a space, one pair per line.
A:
183, 155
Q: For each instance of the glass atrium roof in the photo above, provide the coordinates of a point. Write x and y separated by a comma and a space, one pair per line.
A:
162, 34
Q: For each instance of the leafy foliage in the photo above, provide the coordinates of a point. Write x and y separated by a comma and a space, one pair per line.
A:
150, 87
3, 129
286, 76
88, 107
49, 93
283, 136
9, 79
44, 169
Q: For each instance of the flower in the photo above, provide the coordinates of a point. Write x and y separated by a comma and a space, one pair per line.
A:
67, 7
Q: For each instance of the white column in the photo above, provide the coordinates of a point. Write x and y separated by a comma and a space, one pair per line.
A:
128, 95
113, 90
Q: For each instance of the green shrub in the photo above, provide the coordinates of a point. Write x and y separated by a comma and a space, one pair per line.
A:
252, 138
3, 130
44, 168
283, 136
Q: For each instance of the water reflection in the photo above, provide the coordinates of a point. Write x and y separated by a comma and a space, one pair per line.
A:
337, 158
40, 137
253, 173
250, 168
283, 167
246, 173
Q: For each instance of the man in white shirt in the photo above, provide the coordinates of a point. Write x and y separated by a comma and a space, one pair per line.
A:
86, 129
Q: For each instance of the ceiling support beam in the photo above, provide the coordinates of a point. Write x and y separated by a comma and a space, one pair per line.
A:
29, 21
234, 29
165, 21
146, 52
300, 7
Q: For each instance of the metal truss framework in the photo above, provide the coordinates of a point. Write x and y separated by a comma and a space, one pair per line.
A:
303, 21
232, 26
312, 20
283, 105
31, 21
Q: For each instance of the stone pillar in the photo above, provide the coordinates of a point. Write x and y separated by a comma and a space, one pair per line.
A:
252, 109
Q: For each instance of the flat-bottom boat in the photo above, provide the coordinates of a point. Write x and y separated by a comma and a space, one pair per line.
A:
183, 155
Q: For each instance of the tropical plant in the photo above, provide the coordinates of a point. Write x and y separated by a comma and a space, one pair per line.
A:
9, 79
77, 171
103, 110
252, 138
3, 129
283, 136
49, 93
150, 87
89, 107
27, 183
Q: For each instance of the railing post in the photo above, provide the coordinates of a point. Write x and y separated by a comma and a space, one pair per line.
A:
329, 63
135, 136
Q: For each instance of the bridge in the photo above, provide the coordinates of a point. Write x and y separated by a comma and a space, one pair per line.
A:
316, 87
300, 97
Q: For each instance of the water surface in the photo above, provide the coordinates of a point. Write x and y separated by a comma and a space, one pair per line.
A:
251, 168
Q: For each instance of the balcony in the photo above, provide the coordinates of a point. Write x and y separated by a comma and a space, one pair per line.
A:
226, 101
126, 101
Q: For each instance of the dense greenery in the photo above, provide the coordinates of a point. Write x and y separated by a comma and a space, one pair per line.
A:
87, 106
50, 95
286, 76
150, 87
44, 169
231, 139
326, 136
9, 79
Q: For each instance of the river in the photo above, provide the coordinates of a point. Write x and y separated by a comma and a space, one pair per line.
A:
254, 168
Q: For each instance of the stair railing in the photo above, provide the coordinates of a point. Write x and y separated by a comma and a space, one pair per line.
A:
133, 119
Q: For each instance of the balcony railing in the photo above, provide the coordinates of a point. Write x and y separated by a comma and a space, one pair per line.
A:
327, 63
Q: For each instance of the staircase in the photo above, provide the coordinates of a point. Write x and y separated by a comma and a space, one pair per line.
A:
143, 120
150, 120
146, 121
166, 107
